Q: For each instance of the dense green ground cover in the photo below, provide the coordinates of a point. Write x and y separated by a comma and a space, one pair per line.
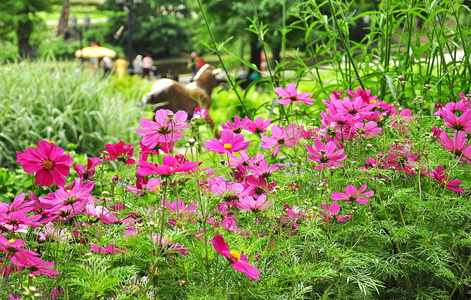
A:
367, 198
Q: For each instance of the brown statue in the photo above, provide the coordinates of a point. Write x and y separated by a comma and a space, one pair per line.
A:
173, 95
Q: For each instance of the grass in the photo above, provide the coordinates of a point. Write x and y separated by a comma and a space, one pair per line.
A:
49, 100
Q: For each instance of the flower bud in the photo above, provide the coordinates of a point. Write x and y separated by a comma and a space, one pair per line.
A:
191, 141
428, 86
170, 116
355, 207
105, 194
401, 78
369, 146
115, 179
88, 255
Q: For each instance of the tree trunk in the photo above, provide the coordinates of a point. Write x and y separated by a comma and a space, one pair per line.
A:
64, 20
23, 32
255, 51
275, 50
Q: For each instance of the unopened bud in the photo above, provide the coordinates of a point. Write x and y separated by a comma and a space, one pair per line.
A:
296, 109
33, 289
105, 194
222, 162
191, 141
428, 86
401, 78
88, 255
369, 146
368, 213
115, 179
396, 141
170, 116
355, 208
315, 208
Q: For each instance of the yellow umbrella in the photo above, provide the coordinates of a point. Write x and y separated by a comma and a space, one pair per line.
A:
95, 51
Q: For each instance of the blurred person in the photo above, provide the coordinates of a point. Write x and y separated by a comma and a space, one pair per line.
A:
192, 59
107, 65
121, 66
147, 64
137, 65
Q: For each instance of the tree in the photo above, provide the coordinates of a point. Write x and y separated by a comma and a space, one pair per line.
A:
230, 18
20, 16
160, 27
64, 20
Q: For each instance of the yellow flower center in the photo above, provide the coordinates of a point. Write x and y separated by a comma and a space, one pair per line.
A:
167, 239
171, 168
372, 101
11, 240
227, 146
47, 164
235, 254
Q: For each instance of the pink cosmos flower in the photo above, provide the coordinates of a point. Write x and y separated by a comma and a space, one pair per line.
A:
69, 201
264, 170
291, 95
36, 267
463, 123
13, 297
200, 113
457, 147
332, 213
19, 204
238, 124
164, 129
281, 137
17, 218
370, 163
168, 246
444, 179
228, 144
352, 194
153, 185
160, 147
48, 162
100, 213
14, 247
361, 130
86, 174
364, 95
238, 260
325, 155
169, 166
110, 249
258, 126
248, 203
120, 152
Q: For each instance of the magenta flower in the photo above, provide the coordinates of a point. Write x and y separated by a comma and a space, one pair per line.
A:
332, 213
48, 162
364, 95
36, 266
169, 247
248, 203
169, 166
444, 179
19, 205
463, 123
258, 126
200, 113
228, 144
291, 95
164, 129
120, 152
325, 155
86, 174
238, 124
352, 194
281, 137
69, 201
153, 185
100, 213
362, 130
264, 170
238, 260
458, 146
17, 218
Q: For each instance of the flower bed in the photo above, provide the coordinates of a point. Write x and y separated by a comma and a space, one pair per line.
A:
369, 201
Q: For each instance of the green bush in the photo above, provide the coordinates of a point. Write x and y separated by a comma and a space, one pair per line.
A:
65, 103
